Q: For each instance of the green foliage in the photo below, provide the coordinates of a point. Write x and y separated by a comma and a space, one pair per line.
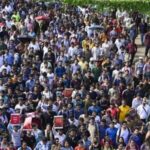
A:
135, 5
142, 6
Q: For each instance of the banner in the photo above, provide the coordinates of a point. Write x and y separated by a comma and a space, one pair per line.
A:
15, 119
58, 122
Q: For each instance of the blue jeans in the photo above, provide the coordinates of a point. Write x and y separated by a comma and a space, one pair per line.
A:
142, 38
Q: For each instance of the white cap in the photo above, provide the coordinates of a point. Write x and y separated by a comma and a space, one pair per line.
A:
140, 57
92, 59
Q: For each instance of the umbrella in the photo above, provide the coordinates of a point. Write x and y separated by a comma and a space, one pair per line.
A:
41, 18
25, 39
96, 27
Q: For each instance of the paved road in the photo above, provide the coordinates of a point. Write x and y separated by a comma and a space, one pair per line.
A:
141, 49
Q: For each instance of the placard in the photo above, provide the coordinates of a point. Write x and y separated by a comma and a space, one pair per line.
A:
67, 92
27, 124
58, 122
15, 119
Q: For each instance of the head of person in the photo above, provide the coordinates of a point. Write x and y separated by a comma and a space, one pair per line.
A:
24, 145
60, 132
111, 125
56, 141
10, 146
121, 140
107, 144
140, 59
129, 86
72, 133
34, 126
112, 105
66, 144
91, 121
80, 143
124, 124
144, 102
136, 131
29, 133
103, 122
132, 143
44, 140
123, 103
48, 127
4, 140
15, 128
138, 96
120, 146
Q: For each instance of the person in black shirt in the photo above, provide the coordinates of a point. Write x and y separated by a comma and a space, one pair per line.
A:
29, 139
4, 34
128, 95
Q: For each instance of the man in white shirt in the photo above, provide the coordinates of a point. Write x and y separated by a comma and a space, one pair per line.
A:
45, 48
44, 144
34, 45
136, 101
73, 121
51, 77
6, 67
9, 23
71, 50
44, 66
119, 43
96, 51
20, 106
123, 132
8, 8
143, 110
59, 135
16, 136
106, 47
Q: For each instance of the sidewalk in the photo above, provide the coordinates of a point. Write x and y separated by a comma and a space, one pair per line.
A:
141, 49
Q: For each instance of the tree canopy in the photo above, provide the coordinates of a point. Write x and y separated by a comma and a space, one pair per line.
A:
142, 6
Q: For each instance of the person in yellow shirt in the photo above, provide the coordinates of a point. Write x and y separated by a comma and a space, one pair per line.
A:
85, 42
83, 64
123, 111
91, 43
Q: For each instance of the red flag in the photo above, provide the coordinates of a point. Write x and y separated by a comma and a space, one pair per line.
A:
27, 124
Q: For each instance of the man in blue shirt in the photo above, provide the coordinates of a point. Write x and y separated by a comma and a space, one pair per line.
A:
94, 108
136, 137
60, 70
44, 144
30, 83
111, 132
102, 129
9, 58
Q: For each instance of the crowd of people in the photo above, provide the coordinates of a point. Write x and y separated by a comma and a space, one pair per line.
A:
62, 60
